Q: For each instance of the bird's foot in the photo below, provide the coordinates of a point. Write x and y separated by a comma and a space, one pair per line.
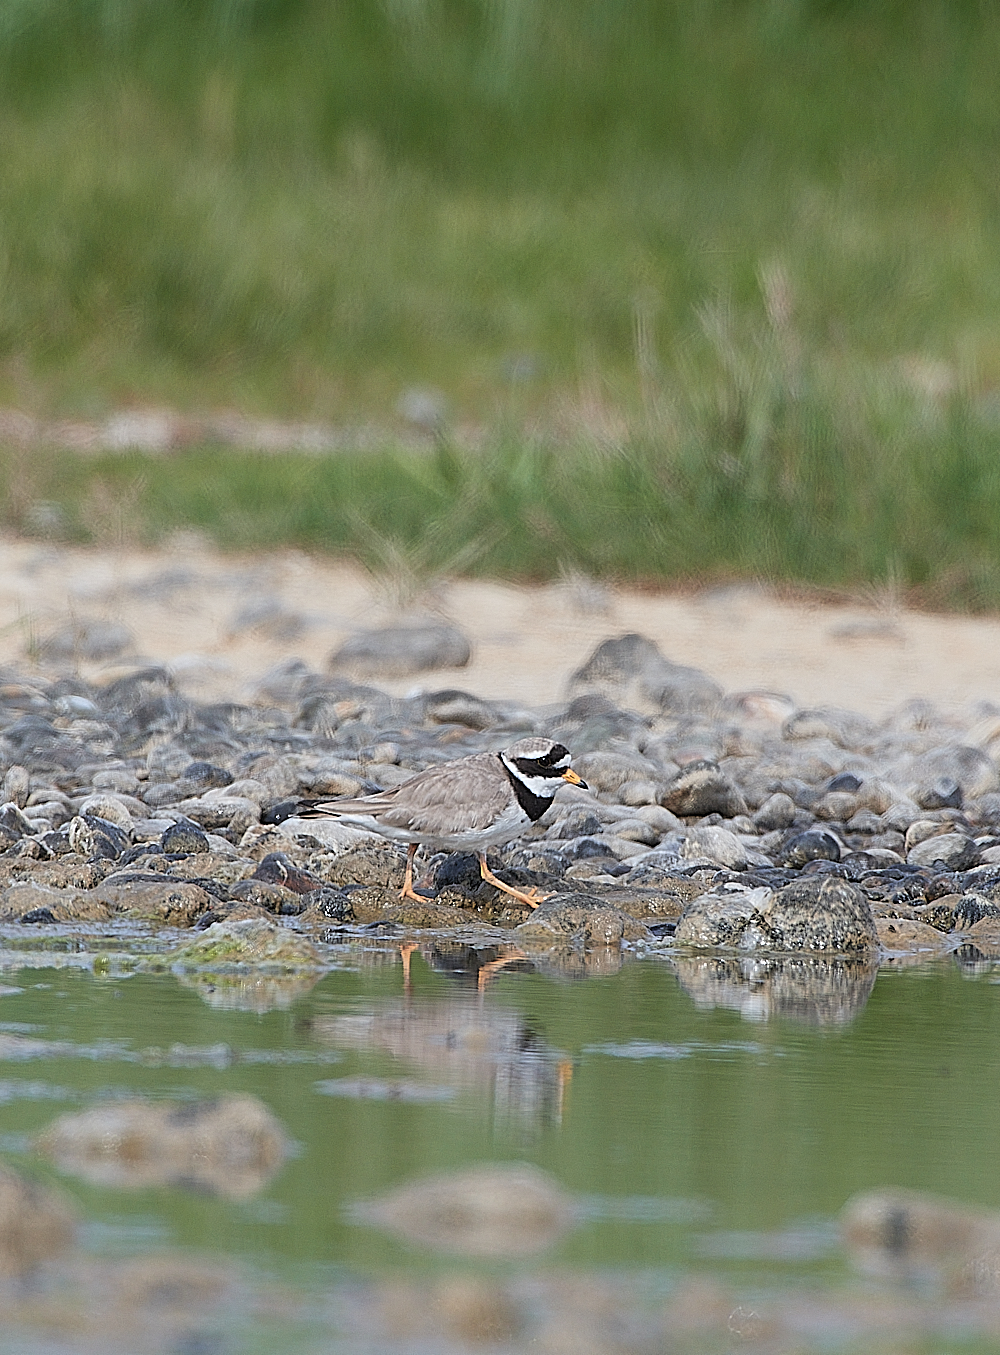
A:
529, 896
408, 892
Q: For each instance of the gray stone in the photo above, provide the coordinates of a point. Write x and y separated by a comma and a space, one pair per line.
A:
631, 670
969, 768
777, 811
715, 844
459, 708
942, 793
86, 638
815, 844
844, 728
398, 651
956, 850
702, 788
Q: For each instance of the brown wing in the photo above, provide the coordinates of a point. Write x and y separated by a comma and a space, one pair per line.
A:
453, 797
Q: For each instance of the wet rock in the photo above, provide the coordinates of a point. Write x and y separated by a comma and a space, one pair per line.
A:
702, 788
821, 914
985, 936
36, 1224
720, 919
631, 670
371, 862
252, 943
228, 1145
502, 1211
273, 898
165, 902
579, 918
968, 909
910, 936
398, 651
39, 904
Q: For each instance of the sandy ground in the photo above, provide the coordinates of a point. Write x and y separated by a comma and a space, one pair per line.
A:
221, 622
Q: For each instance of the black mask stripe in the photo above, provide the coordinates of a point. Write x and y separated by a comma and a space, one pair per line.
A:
533, 805
533, 767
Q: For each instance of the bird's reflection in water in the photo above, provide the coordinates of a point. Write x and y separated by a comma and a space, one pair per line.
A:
464, 1038
816, 990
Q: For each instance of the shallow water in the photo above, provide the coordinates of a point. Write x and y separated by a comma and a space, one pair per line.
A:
708, 1149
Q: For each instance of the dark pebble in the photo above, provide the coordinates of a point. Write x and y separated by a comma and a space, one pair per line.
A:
812, 845
185, 838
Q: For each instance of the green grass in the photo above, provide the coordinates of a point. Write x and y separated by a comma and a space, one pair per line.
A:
818, 498
719, 281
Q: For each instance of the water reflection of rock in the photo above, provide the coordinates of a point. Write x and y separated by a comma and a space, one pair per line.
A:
228, 1145
494, 1210
253, 992
915, 1235
463, 1039
817, 990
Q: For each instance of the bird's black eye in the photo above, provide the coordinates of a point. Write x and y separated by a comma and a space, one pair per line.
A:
557, 753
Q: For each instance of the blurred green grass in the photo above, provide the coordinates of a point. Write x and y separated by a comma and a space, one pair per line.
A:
720, 281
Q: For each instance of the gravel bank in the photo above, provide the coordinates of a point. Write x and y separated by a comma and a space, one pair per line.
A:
715, 821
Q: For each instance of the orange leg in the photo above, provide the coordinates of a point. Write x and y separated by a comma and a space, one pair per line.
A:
564, 1076
407, 891
405, 951
532, 897
487, 971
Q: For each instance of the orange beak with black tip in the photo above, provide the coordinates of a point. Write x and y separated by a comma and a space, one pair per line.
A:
570, 775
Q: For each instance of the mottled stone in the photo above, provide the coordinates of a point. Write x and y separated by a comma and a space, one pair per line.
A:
821, 913
581, 918
910, 936
253, 943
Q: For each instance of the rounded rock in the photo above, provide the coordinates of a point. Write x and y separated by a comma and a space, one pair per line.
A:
815, 844
821, 912
702, 788
955, 851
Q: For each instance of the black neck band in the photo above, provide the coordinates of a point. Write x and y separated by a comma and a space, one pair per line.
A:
533, 805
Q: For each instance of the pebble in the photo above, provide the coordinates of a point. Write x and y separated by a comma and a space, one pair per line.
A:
742, 821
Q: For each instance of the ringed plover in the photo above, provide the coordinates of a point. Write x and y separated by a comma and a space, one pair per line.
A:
466, 805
